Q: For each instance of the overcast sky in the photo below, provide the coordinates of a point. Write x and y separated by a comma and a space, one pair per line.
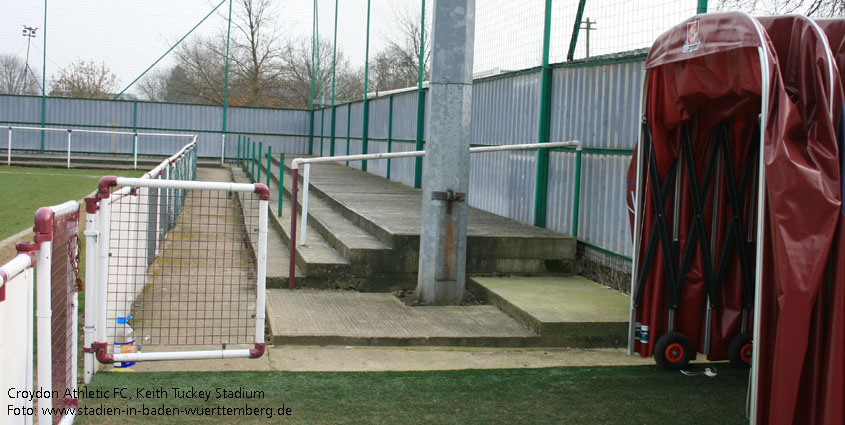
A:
129, 35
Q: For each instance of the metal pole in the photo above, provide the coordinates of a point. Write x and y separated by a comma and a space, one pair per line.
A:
226, 88
9, 149
239, 150
135, 151
269, 163
577, 27
576, 197
543, 133
418, 163
311, 99
69, 133
305, 180
252, 172
260, 157
702, 6
281, 181
44, 78
165, 53
365, 133
442, 259
334, 68
389, 132
348, 133
135, 130
292, 242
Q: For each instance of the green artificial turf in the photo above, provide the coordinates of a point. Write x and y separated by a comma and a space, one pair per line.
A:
574, 395
25, 189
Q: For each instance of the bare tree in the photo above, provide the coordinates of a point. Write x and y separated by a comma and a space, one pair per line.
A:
84, 80
153, 86
255, 60
298, 69
814, 8
16, 77
199, 73
398, 65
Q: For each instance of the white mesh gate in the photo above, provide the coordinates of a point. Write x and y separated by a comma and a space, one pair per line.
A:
179, 263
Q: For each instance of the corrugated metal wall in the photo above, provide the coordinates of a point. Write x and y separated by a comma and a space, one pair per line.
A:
285, 130
596, 104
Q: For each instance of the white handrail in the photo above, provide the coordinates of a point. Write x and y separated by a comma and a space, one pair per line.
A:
69, 131
372, 156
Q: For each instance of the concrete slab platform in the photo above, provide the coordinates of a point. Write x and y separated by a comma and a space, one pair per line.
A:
353, 318
565, 311
380, 359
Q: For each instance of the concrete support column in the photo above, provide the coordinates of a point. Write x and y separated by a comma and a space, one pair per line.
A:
442, 267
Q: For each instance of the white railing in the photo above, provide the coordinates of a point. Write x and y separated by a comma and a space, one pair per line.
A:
16, 283
70, 132
368, 157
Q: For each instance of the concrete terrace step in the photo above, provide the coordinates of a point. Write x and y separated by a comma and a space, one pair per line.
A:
391, 212
317, 263
367, 254
564, 311
307, 317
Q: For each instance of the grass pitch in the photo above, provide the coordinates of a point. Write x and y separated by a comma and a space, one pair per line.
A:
26, 189
575, 395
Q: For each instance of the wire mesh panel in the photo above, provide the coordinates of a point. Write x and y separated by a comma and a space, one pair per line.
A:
182, 267
64, 279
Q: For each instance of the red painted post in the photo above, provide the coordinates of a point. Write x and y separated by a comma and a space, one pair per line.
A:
293, 190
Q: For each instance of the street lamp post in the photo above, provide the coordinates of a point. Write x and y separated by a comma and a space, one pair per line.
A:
29, 33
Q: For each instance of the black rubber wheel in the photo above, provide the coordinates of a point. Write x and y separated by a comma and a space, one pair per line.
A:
740, 350
672, 351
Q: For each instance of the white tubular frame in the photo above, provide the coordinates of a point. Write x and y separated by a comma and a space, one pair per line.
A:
9, 272
480, 149
103, 241
44, 315
91, 297
638, 206
135, 136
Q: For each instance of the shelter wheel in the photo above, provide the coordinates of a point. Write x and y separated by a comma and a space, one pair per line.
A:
672, 351
740, 350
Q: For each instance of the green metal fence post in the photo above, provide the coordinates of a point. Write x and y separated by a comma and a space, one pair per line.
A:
135, 125
334, 68
542, 181
281, 181
44, 77
260, 158
348, 123
702, 6
389, 132
269, 163
365, 129
322, 126
576, 201
252, 173
239, 150
311, 100
418, 162
579, 14
226, 88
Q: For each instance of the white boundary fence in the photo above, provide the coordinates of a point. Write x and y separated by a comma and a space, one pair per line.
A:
16, 289
70, 131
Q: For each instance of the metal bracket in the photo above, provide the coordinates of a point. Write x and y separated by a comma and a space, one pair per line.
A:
93, 233
449, 196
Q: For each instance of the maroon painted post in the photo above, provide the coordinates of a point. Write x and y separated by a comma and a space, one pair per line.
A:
293, 190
